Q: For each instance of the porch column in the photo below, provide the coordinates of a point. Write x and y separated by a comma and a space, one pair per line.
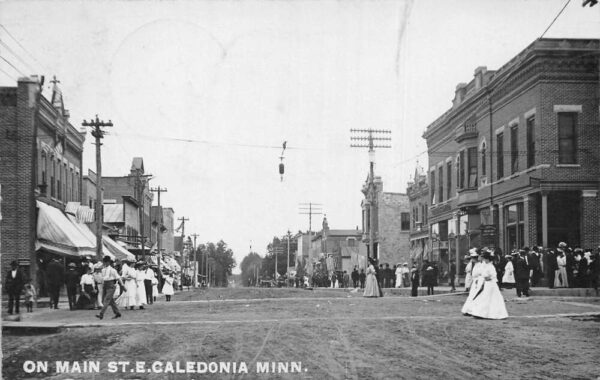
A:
500, 230
457, 242
545, 219
525, 221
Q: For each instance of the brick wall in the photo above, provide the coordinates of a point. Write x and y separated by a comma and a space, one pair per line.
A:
590, 229
16, 173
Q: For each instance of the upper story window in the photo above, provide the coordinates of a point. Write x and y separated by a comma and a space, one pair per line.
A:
449, 180
483, 159
472, 154
567, 138
531, 141
500, 155
441, 183
432, 184
404, 221
351, 242
461, 170
514, 149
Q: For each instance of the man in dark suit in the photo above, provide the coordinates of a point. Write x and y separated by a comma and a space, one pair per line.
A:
362, 277
521, 267
535, 266
14, 285
551, 267
55, 274
570, 266
71, 281
355, 277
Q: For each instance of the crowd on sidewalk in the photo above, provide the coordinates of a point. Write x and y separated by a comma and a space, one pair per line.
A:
93, 285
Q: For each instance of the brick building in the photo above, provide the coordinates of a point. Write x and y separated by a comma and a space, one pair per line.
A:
135, 186
391, 223
418, 199
515, 161
40, 161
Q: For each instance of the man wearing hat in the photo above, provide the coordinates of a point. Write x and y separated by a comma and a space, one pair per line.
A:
14, 285
111, 277
521, 273
55, 277
71, 281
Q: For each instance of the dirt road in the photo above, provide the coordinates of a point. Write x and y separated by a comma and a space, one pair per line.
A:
337, 338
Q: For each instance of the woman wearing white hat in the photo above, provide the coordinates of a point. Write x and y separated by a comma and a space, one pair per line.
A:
475, 282
488, 302
469, 268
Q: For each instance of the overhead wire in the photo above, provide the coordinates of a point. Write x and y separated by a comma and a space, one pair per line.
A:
23, 47
6, 47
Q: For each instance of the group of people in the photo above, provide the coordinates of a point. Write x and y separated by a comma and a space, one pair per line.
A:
92, 285
561, 268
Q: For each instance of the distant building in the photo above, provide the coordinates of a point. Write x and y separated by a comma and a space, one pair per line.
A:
339, 248
135, 185
514, 161
418, 198
40, 162
391, 223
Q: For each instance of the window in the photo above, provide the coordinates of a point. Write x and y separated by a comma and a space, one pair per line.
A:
531, 141
483, 162
461, 169
449, 184
432, 186
515, 226
351, 242
441, 183
472, 154
425, 219
567, 147
44, 166
500, 155
514, 149
53, 179
404, 221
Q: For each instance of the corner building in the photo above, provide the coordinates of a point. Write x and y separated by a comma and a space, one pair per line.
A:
516, 160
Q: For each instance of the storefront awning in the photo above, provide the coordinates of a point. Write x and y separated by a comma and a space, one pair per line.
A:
58, 234
116, 250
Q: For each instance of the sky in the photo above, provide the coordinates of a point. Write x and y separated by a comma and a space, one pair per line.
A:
207, 91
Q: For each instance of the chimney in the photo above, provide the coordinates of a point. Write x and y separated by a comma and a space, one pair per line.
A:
480, 77
459, 94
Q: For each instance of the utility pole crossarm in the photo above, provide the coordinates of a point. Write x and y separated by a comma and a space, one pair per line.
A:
370, 141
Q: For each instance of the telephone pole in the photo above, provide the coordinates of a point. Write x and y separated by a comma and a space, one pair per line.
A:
310, 209
159, 190
98, 134
371, 138
195, 280
287, 270
183, 220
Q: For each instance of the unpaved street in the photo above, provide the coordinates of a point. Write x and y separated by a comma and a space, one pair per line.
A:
338, 338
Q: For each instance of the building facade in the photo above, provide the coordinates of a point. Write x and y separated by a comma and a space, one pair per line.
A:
514, 162
418, 199
40, 161
389, 225
136, 186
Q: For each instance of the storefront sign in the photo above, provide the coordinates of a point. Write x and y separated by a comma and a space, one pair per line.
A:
488, 235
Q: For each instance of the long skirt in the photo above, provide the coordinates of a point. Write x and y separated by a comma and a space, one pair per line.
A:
371, 286
140, 295
398, 281
489, 303
128, 298
560, 278
475, 286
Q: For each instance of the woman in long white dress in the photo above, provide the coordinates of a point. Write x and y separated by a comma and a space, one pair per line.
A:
508, 279
140, 295
488, 303
475, 285
399, 274
167, 288
560, 275
371, 287
473, 257
127, 299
